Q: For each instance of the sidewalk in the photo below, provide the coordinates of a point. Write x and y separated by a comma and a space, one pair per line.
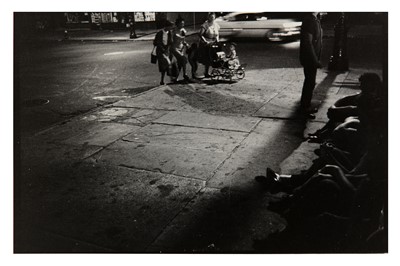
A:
171, 169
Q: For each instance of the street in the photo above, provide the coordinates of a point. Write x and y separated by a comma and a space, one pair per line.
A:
112, 162
79, 76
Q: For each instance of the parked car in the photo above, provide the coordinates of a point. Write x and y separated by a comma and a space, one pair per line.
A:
273, 26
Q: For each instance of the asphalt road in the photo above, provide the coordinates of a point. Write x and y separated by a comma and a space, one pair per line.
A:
58, 80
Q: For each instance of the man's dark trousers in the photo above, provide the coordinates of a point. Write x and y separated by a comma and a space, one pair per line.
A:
310, 73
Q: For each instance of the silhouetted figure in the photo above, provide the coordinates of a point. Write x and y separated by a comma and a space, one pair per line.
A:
132, 26
310, 51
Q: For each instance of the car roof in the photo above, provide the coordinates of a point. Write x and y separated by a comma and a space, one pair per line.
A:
232, 14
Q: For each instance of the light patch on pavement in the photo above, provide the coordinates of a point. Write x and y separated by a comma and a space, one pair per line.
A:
103, 98
291, 45
114, 53
114, 112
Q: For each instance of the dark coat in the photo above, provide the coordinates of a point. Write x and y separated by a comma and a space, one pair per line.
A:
162, 51
310, 48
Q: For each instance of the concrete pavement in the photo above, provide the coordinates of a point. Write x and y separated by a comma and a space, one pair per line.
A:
170, 169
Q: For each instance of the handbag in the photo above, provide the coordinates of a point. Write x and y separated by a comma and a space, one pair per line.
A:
153, 59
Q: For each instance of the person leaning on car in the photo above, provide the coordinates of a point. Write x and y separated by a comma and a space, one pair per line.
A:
310, 51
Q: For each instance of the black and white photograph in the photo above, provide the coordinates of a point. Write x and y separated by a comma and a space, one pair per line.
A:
162, 131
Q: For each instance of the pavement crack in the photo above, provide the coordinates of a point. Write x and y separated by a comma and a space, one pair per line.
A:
232, 152
158, 170
213, 128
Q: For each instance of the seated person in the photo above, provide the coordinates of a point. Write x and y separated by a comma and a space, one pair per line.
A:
231, 59
348, 106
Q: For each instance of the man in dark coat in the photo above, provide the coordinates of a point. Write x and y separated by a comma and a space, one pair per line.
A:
310, 51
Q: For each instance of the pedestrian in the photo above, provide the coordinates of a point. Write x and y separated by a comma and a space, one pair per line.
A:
132, 26
209, 34
310, 52
162, 42
179, 46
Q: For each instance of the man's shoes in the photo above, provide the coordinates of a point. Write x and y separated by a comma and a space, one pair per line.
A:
312, 110
308, 112
315, 139
273, 183
308, 115
186, 77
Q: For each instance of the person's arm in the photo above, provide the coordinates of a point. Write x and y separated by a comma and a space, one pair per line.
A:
338, 176
233, 54
217, 32
347, 101
201, 35
343, 108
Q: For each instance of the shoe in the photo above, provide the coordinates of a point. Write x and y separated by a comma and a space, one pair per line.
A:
307, 113
270, 174
312, 110
186, 77
162, 83
273, 183
315, 139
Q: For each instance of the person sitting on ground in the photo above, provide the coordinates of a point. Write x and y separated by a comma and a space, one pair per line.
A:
346, 149
370, 85
340, 211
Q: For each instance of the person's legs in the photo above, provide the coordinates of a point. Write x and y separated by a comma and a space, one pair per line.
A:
183, 65
162, 78
182, 62
192, 58
206, 70
317, 195
310, 74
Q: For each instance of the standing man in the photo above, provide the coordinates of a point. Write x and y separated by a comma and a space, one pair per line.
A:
132, 33
310, 51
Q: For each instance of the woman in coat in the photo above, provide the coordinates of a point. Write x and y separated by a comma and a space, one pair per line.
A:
162, 42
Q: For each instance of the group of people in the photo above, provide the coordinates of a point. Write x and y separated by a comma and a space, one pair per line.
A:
174, 53
340, 202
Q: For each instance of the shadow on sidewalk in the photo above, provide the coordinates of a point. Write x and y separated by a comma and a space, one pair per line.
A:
229, 214
216, 220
